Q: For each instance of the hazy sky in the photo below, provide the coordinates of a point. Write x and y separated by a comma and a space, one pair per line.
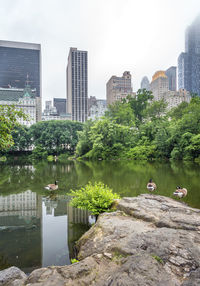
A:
141, 36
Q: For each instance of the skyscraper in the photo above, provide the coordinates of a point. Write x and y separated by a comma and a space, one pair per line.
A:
189, 62
159, 85
171, 74
60, 104
77, 84
118, 87
145, 83
17, 60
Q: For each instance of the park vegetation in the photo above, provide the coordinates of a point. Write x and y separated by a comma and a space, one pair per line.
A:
96, 198
141, 129
136, 128
45, 138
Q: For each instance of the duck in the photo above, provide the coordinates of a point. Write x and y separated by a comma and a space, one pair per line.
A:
151, 186
180, 192
52, 187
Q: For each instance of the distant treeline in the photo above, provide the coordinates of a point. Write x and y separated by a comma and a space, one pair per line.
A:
134, 128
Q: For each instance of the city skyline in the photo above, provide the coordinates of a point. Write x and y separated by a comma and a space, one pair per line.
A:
121, 37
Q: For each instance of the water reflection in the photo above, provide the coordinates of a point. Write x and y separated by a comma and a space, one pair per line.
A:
35, 230
39, 228
54, 235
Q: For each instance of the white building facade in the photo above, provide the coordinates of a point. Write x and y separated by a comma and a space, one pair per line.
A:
22, 99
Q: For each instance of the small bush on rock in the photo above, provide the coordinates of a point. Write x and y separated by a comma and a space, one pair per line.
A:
96, 198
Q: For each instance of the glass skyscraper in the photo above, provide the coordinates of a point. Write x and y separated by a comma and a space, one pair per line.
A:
77, 85
18, 62
189, 62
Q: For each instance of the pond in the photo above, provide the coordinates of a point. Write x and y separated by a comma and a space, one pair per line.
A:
39, 228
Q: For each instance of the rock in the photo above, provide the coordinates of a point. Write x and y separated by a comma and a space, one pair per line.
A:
150, 240
160, 227
11, 276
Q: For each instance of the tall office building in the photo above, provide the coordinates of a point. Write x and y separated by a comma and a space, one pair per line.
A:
145, 83
189, 62
17, 60
60, 104
159, 85
118, 87
77, 85
171, 74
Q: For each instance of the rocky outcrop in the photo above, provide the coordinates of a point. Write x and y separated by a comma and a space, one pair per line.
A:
12, 276
150, 240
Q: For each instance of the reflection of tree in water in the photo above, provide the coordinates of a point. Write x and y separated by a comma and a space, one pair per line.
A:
128, 178
4, 263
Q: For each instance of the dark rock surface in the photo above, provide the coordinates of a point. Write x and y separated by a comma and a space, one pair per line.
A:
149, 241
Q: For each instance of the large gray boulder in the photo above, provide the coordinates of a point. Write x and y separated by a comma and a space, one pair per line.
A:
12, 276
150, 240
156, 226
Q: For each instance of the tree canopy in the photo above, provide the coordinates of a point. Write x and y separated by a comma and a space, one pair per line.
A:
9, 117
139, 128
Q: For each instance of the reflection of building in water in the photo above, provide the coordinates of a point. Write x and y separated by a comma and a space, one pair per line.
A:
50, 206
54, 233
77, 215
23, 204
20, 230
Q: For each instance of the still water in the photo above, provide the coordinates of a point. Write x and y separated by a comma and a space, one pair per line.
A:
39, 228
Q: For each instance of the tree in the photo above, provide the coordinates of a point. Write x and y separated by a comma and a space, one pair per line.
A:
156, 110
121, 113
21, 137
55, 136
139, 103
9, 117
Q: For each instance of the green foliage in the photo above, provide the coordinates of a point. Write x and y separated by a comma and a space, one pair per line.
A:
9, 116
3, 159
156, 110
121, 113
39, 152
141, 129
139, 104
55, 136
159, 259
96, 198
46, 137
142, 152
50, 158
74, 260
64, 157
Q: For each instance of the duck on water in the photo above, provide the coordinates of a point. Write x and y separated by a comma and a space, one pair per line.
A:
52, 187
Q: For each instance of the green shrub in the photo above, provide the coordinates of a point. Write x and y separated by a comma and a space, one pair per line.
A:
63, 157
96, 198
50, 158
3, 159
74, 260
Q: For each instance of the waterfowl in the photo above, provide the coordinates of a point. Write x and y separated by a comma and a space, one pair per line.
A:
180, 192
151, 186
52, 187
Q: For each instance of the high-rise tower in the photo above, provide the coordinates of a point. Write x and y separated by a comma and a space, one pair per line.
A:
189, 62
17, 60
77, 84
171, 74
118, 87
145, 83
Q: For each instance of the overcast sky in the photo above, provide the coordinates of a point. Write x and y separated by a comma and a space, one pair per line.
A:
141, 36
